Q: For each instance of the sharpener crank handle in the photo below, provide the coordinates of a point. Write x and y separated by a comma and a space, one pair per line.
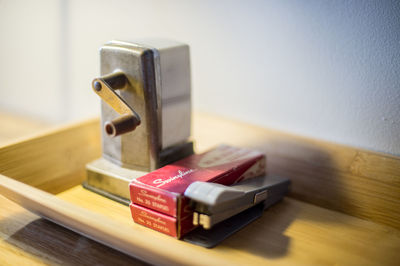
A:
105, 87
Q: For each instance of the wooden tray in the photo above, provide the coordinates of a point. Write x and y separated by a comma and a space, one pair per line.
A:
44, 174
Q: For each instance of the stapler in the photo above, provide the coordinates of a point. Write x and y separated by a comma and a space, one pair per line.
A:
223, 210
213, 203
145, 96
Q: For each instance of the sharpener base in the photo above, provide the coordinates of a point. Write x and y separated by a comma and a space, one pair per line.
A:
112, 181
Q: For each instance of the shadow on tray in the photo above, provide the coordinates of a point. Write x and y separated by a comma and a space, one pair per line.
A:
58, 245
313, 179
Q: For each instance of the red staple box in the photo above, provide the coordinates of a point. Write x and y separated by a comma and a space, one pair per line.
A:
158, 196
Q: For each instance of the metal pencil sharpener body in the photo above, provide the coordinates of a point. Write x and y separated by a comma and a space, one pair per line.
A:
145, 112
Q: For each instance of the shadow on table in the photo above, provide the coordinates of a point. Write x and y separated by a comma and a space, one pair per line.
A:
315, 179
265, 237
56, 244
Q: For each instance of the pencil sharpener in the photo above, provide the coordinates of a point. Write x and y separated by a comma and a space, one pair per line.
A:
145, 92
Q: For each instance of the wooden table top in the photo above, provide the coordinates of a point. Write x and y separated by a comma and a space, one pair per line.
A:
292, 232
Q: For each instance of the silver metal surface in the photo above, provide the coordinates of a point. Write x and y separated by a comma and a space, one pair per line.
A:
260, 196
137, 149
159, 74
214, 203
112, 181
148, 83
107, 176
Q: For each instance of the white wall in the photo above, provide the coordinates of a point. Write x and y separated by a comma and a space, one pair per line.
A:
328, 70
30, 63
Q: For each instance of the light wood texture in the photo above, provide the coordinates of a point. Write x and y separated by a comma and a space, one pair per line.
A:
290, 233
111, 232
25, 239
361, 183
52, 160
286, 234
293, 232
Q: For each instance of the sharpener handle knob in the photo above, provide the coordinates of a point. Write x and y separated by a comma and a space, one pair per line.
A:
105, 87
121, 125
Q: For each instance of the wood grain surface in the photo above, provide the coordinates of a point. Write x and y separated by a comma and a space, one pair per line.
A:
290, 233
362, 183
52, 160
